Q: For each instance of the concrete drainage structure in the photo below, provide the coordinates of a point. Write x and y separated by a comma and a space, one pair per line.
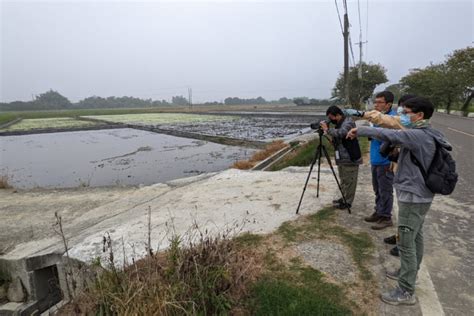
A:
40, 278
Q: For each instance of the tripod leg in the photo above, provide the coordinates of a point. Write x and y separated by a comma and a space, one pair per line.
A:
320, 153
335, 177
317, 156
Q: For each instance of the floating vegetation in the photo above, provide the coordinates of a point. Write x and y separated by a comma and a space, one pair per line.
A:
160, 118
45, 123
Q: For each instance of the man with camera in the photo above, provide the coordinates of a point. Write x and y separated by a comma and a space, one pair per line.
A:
347, 153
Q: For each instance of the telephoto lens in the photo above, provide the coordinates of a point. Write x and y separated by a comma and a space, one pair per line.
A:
317, 125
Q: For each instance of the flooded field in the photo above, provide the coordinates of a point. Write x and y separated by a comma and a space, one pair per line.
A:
249, 127
108, 157
264, 128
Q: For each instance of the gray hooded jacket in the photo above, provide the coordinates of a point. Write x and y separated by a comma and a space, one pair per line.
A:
421, 142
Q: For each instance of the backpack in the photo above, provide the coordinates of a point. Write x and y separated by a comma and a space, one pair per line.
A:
441, 176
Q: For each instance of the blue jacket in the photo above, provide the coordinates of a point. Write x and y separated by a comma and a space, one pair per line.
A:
375, 158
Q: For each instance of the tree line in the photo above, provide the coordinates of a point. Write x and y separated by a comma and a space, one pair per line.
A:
448, 84
53, 100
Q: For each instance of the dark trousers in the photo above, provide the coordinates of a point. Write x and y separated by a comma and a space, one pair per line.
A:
382, 182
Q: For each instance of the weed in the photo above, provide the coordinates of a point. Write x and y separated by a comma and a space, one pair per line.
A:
248, 239
297, 291
4, 182
289, 231
243, 165
269, 150
206, 277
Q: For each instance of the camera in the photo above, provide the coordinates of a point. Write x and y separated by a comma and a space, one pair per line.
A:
389, 151
317, 125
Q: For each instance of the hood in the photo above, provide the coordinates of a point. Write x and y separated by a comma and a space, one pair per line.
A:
439, 137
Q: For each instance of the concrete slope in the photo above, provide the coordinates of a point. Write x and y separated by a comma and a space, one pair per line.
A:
230, 200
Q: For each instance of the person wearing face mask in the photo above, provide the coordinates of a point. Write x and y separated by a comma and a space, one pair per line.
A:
418, 142
386, 121
379, 118
347, 153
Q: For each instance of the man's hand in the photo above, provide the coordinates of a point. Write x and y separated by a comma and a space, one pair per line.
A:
324, 126
352, 133
352, 112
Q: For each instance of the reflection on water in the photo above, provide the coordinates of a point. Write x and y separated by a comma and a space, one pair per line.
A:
108, 157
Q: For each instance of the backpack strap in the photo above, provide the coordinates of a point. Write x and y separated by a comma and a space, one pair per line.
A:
418, 164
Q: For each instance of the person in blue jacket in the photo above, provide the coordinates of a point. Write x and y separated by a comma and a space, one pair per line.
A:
382, 173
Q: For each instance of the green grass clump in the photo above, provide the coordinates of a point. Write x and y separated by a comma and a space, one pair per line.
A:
297, 290
289, 231
248, 239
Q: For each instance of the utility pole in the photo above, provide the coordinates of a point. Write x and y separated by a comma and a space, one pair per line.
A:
360, 65
190, 97
346, 56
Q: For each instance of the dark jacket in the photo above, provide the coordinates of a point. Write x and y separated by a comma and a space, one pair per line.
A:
347, 151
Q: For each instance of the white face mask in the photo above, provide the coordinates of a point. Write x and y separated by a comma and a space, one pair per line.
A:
400, 110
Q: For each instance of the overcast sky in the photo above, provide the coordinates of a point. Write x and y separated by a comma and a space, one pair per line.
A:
222, 48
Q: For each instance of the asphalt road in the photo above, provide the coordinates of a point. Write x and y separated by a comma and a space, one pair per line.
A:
449, 237
460, 133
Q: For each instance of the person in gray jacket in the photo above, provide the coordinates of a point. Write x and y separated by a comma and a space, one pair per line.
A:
347, 153
414, 197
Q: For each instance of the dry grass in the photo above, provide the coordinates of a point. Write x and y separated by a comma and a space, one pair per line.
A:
208, 277
269, 150
4, 182
250, 274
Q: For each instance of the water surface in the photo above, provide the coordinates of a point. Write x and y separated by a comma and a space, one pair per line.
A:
108, 157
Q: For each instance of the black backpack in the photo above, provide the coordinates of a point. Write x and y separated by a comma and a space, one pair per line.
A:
441, 176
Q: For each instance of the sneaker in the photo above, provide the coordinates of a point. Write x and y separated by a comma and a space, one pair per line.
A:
343, 206
398, 296
393, 275
372, 218
392, 240
383, 222
338, 201
395, 252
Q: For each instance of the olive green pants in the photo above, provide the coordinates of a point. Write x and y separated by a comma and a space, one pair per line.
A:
348, 180
411, 217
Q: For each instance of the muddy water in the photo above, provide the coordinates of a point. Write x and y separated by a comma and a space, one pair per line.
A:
108, 157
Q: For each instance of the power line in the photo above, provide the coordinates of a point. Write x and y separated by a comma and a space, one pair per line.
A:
340, 23
352, 51
367, 30
360, 22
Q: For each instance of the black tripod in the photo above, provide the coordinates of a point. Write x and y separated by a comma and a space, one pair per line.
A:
320, 149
